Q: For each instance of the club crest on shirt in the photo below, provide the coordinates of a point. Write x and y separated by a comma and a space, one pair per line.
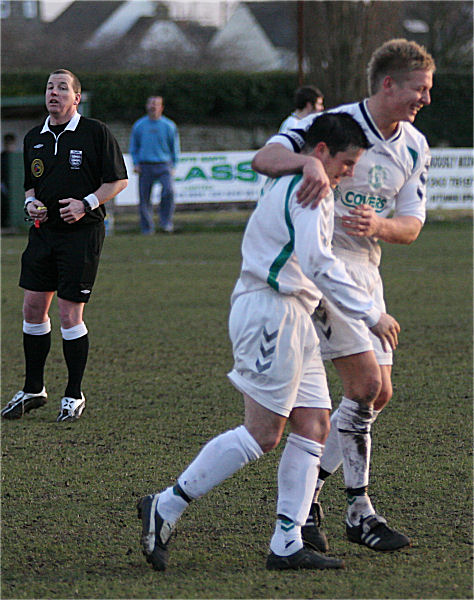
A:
377, 177
37, 167
75, 158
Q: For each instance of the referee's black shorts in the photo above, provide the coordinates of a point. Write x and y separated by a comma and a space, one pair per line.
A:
62, 261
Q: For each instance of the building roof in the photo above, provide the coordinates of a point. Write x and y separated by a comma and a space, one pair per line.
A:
197, 33
81, 19
278, 20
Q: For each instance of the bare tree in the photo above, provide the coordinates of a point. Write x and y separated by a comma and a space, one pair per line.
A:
339, 37
446, 29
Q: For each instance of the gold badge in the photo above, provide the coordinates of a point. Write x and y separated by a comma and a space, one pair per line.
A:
37, 167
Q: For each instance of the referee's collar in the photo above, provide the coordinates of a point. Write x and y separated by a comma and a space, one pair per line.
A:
71, 126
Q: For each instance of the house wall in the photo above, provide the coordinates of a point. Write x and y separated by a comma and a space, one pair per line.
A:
166, 35
195, 138
242, 44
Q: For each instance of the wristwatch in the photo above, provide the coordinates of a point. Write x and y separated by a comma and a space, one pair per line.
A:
25, 207
87, 206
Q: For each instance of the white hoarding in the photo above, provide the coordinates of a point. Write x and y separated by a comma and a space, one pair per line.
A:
205, 177
450, 178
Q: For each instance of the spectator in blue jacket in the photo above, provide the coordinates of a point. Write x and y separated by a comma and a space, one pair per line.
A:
154, 146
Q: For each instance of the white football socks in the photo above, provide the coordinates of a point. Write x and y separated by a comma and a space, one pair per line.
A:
220, 458
286, 539
297, 476
358, 507
353, 424
331, 459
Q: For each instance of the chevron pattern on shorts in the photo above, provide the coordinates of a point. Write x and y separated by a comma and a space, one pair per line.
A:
267, 348
321, 315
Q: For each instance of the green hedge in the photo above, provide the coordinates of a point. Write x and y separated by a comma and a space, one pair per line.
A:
190, 97
448, 120
240, 99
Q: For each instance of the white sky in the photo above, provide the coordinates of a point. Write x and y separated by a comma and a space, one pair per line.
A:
51, 8
209, 12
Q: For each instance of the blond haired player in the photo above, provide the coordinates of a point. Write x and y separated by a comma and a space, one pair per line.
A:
389, 178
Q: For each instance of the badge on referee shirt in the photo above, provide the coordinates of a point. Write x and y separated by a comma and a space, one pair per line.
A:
37, 167
75, 158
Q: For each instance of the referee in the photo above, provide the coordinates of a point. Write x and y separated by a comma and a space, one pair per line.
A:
73, 165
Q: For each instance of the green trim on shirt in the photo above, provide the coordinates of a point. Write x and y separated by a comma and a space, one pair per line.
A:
414, 155
288, 248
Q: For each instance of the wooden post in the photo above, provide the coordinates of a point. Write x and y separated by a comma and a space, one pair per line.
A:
300, 33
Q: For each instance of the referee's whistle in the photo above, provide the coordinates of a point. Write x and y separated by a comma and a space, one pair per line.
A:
37, 221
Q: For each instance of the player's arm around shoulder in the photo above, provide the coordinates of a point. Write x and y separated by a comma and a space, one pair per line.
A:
275, 160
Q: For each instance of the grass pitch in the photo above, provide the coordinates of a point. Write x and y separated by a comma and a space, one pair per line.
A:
157, 391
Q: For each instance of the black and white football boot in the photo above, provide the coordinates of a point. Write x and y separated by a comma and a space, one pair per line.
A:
156, 532
22, 402
373, 532
303, 559
71, 408
311, 532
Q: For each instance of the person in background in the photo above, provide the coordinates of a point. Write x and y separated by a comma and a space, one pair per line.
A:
308, 100
73, 166
154, 146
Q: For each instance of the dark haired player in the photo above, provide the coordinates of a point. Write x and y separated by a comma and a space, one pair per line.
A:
308, 101
287, 265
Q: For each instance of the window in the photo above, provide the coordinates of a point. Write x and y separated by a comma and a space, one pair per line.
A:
5, 9
30, 9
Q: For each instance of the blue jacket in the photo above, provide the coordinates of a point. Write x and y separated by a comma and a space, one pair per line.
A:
154, 141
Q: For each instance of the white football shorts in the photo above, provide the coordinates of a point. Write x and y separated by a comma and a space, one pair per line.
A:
341, 335
276, 353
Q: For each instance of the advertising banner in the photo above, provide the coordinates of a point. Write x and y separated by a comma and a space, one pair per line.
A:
450, 178
207, 177
203, 177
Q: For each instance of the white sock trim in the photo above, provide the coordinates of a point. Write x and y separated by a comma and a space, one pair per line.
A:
249, 444
37, 328
314, 448
354, 417
74, 332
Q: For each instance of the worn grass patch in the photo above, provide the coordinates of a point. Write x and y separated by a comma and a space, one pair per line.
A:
157, 391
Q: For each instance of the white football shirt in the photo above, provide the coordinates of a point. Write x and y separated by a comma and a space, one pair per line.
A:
391, 176
291, 122
288, 248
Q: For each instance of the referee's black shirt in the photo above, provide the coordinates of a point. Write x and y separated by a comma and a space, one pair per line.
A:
73, 164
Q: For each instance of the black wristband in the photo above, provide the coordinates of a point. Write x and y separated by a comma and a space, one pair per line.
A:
87, 206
